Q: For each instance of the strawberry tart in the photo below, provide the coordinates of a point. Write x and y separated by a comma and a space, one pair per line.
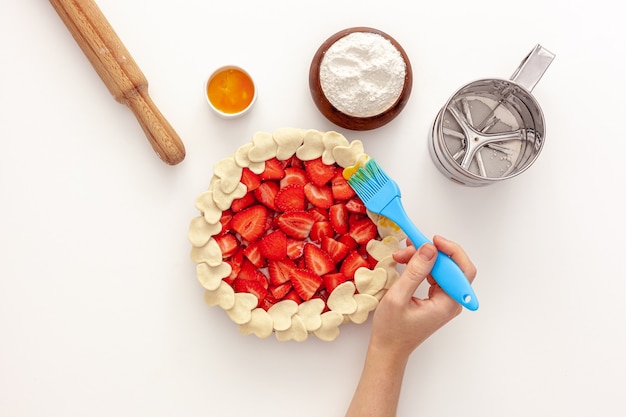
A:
283, 244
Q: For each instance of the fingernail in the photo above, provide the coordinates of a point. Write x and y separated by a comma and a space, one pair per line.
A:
427, 252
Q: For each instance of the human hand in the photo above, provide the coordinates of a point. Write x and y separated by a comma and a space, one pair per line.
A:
402, 321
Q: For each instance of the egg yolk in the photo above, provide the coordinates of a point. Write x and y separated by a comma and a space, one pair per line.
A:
230, 91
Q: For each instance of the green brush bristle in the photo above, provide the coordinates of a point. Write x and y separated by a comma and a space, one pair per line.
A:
368, 180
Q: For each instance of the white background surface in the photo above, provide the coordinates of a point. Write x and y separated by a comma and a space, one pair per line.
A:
100, 310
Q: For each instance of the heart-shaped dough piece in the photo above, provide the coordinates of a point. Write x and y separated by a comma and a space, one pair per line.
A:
370, 281
297, 331
282, 312
229, 173
310, 312
222, 200
346, 156
263, 147
223, 296
380, 249
209, 253
329, 330
312, 146
260, 324
210, 277
241, 311
200, 231
242, 159
366, 303
288, 140
205, 203
331, 140
341, 299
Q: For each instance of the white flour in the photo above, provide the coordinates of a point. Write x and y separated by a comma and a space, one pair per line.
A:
362, 74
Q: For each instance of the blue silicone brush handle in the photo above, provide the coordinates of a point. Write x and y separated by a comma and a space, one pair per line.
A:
446, 272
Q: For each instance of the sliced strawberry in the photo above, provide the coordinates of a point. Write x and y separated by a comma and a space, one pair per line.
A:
228, 244
274, 170
280, 291
296, 224
355, 205
348, 241
340, 187
250, 179
290, 198
318, 213
305, 283
268, 302
274, 245
295, 248
250, 223
266, 194
319, 172
235, 262
294, 176
278, 270
241, 203
293, 295
335, 249
225, 219
320, 230
363, 230
352, 262
253, 253
319, 196
253, 287
338, 216
331, 281
317, 260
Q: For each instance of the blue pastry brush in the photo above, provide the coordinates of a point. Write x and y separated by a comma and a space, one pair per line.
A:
381, 195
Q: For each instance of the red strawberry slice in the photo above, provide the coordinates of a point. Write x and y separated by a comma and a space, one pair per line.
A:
253, 253
317, 260
274, 245
320, 230
305, 283
235, 262
280, 291
363, 230
319, 172
340, 187
319, 214
294, 176
279, 270
274, 170
335, 249
225, 219
249, 272
241, 203
253, 287
290, 198
293, 295
352, 262
355, 205
266, 194
338, 216
250, 179
295, 248
331, 281
348, 241
250, 223
228, 244
296, 224
319, 196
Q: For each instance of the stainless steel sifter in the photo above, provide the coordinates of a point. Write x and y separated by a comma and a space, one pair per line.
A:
492, 129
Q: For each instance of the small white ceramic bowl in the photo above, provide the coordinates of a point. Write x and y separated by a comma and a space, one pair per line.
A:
230, 91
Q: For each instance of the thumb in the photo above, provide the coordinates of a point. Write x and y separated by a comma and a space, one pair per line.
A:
417, 269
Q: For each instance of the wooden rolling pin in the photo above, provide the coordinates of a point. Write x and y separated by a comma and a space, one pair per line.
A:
120, 73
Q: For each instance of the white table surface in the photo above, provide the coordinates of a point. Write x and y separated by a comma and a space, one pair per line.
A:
100, 310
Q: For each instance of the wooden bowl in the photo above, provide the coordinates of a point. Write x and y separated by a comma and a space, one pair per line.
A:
349, 121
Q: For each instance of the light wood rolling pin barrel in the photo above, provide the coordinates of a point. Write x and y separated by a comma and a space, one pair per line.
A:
120, 73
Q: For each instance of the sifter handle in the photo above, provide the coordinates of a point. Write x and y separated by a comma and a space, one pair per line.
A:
120, 73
